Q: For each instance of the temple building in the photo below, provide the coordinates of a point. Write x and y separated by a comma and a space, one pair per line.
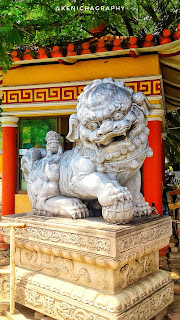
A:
39, 94
87, 268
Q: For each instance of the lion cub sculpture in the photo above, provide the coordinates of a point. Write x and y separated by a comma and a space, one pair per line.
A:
111, 143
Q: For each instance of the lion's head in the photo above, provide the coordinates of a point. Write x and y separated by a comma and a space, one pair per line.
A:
111, 122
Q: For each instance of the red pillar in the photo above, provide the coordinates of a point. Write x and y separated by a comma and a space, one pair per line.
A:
152, 168
9, 164
163, 135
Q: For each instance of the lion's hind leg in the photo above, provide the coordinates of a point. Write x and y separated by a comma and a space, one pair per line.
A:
62, 206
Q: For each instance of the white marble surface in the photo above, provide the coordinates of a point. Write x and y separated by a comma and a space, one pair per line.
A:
103, 170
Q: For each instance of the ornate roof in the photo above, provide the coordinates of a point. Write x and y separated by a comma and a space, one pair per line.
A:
101, 45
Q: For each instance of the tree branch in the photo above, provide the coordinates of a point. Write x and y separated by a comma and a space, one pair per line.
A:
150, 11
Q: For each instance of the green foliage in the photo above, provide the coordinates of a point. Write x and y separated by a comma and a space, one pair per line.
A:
173, 139
45, 23
33, 132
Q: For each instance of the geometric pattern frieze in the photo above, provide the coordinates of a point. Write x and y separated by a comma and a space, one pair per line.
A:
70, 93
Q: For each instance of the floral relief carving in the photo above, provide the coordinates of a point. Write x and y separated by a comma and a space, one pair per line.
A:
80, 248
33, 298
138, 269
56, 266
67, 311
80, 241
49, 305
27, 296
5, 287
144, 236
155, 290
68, 274
122, 257
152, 306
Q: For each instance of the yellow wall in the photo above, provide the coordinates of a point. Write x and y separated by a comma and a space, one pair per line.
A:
83, 70
22, 203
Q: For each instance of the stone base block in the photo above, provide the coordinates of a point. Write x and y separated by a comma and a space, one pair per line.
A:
90, 252
89, 270
64, 300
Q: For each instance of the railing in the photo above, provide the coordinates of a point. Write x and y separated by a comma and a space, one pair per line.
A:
11, 271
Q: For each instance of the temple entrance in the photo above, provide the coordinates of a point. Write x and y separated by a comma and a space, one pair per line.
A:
32, 132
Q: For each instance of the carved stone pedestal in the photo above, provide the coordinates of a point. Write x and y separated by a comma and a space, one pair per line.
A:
89, 270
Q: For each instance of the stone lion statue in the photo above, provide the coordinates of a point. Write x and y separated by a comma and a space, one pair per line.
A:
111, 143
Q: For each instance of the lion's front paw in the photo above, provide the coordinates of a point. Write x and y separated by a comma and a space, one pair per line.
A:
111, 195
141, 208
120, 213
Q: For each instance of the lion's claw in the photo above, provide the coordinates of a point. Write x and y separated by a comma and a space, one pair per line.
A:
141, 208
76, 209
79, 210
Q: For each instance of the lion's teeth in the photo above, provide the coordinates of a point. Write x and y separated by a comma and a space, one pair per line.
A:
131, 148
124, 151
137, 142
143, 137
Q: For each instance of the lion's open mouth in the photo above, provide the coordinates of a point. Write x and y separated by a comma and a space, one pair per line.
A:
118, 138
112, 137
112, 140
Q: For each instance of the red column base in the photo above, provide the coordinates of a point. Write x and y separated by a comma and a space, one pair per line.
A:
3, 245
164, 251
